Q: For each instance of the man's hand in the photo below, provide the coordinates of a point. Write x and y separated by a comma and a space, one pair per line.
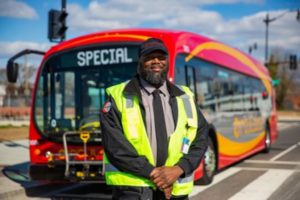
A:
164, 177
168, 192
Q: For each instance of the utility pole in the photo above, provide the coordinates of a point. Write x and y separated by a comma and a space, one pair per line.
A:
64, 12
267, 21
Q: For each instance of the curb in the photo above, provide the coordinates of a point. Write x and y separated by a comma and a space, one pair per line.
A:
289, 120
13, 194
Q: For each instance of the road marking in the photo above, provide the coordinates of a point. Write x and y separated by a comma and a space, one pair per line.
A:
284, 125
265, 169
264, 186
217, 178
285, 152
272, 162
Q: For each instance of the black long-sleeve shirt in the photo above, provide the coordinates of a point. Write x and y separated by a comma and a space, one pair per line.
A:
124, 156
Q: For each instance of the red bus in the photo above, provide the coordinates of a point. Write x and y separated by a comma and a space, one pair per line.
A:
233, 90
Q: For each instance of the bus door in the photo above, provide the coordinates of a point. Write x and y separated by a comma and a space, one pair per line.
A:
254, 119
55, 99
228, 109
89, 98
248, 123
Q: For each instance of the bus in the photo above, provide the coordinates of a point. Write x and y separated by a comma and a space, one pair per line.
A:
233, 90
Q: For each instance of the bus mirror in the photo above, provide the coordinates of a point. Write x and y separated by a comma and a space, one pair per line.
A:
12, 70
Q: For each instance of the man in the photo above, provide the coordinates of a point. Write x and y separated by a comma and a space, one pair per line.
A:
153, 135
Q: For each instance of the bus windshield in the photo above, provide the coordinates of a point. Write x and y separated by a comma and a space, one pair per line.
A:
71, 86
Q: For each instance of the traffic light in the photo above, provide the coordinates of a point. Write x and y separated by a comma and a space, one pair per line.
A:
293, 62
57, 25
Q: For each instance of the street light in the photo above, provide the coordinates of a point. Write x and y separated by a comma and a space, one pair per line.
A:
268, 20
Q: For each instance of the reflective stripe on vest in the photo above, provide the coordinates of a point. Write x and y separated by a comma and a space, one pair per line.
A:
186, 179
129, 101
109, 167
135, 132
187, 106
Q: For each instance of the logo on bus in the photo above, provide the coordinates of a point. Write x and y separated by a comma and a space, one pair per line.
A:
247, 126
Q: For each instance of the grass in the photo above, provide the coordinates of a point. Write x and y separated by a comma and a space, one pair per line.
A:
8, 132
11, 126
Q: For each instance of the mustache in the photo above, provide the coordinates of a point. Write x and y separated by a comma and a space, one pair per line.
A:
157, 65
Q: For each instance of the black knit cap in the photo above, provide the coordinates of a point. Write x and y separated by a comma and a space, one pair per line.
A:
150, 45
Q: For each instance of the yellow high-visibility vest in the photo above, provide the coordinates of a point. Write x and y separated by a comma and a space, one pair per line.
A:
135, 132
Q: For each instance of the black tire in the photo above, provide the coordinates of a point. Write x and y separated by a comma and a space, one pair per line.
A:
210, 165
267, 141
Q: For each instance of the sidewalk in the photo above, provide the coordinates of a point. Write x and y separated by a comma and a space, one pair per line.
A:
14, 152
287, 116
14, 157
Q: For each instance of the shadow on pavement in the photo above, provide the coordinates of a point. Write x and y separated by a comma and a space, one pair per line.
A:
19, 174
11, 143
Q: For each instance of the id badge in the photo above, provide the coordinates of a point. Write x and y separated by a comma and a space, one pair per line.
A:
185, 145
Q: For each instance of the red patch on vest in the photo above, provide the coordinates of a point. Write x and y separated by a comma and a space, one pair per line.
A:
106, 107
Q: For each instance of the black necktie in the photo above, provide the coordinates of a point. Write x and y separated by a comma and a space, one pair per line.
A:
160, 130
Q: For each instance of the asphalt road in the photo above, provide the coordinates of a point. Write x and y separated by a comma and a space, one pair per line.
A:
273, 176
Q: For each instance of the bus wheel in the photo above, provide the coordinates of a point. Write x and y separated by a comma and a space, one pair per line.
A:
267, 141
210, 165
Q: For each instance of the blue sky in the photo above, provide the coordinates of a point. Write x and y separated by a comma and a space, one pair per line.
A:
235, 22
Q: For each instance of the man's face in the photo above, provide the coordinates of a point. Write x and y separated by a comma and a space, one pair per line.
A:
154, 68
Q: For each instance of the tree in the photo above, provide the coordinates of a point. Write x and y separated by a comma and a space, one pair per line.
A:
279, 69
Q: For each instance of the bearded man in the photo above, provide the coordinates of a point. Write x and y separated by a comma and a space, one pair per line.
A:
153, 134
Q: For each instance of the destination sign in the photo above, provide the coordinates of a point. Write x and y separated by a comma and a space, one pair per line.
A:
99, 56
103, 57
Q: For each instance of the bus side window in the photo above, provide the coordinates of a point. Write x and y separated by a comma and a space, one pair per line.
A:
190, 77
180, 70
207, 86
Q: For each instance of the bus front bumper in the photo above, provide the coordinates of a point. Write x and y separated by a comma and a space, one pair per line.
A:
43, 172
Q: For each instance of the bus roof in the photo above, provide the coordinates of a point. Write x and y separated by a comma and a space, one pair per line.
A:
191, 44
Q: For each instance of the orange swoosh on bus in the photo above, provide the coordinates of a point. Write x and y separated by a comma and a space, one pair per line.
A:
234, 53
116, 35
233, 148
